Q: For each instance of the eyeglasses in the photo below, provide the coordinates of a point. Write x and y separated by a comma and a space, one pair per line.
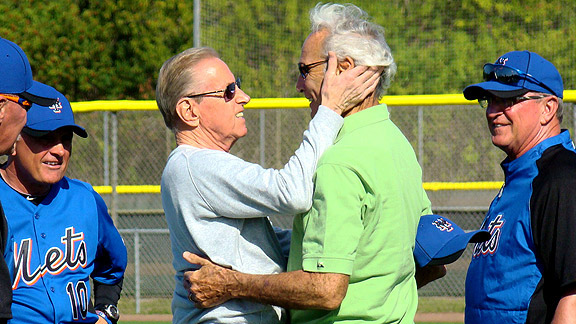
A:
229, 92
305, 68
508, 75
15, 98
507, 102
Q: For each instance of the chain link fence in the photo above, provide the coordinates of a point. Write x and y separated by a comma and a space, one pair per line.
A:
452, 143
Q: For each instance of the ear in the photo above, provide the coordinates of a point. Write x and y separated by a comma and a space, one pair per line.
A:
548, 111
12, 154
187, 111
346, 64
2, 108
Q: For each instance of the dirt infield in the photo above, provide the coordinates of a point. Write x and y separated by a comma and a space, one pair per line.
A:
440, 317
146, 318
420, 317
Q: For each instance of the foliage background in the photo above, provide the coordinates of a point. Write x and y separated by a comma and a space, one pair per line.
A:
113, 49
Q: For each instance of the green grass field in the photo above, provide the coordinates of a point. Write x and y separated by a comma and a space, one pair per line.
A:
162, 306
130, 322
122, 322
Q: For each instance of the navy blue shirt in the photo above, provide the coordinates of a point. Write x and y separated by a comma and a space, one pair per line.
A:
519, 275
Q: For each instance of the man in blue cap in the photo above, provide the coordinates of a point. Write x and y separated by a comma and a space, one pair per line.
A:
17, 93
526, 271
60, 229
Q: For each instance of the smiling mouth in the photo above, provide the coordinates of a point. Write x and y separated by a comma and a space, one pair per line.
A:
498, 125
52, 163
240, 114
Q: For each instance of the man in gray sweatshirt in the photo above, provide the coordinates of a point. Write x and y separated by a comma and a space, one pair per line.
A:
216, 204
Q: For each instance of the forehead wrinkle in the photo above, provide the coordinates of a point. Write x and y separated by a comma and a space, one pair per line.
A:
313, 47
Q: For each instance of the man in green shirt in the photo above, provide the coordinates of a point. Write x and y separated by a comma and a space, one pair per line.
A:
351, 257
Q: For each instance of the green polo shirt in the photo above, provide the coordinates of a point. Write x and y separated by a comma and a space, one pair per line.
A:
368, 198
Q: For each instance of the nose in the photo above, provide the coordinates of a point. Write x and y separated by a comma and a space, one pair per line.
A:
242, 97
58, 149
300, 84
496, 107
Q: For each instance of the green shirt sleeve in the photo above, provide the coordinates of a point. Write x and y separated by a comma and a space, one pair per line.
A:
333, 226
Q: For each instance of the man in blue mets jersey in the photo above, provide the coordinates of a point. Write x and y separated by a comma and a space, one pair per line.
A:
526, 271
16, 95
59, 228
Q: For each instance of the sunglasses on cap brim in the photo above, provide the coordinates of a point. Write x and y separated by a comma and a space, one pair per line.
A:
509, 75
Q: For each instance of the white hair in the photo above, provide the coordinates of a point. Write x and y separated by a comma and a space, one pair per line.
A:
352, 34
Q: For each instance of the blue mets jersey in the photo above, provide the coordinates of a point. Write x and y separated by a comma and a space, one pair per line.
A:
56, 246
519, 275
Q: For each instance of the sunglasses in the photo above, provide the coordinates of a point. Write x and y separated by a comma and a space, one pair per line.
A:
305, 68
229, 92
508, 75
507, 102
15, 98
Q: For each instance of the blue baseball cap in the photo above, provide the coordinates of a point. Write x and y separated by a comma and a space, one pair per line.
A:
516, 73
441, 241
16, 77
42, 120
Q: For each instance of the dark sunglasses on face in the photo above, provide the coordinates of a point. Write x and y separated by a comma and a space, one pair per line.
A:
229, 92
305, 68
508, 75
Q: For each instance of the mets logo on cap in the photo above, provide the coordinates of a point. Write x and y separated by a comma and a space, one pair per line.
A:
502, 60
443, 224
56, 107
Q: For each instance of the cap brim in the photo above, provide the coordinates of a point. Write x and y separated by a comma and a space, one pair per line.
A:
78, 130
33, 95
501, 90
454, 248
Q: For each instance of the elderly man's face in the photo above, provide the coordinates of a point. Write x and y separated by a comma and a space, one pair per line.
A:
311, 53
221, 120
12, 119
515, 125
40, 162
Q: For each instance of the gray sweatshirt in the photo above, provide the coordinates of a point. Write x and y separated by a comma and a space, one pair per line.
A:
217, 205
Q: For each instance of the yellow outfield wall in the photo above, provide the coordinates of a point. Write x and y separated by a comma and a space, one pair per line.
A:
297, 103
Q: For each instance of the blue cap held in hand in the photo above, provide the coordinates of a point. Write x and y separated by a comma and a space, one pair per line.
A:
441, 241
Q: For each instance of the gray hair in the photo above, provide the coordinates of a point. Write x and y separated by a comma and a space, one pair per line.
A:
560, 110
176, 78
352, 34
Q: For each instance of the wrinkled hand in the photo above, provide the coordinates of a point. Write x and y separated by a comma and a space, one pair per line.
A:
344, 91
208, 286
428, 274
